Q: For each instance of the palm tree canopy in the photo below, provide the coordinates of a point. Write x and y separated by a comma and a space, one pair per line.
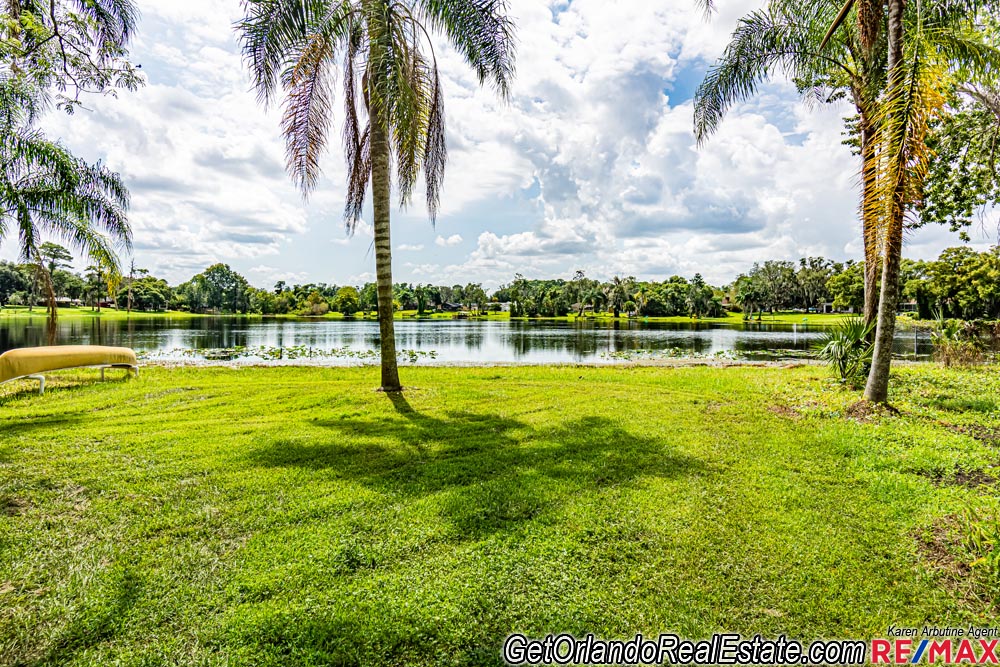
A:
44, 189
787, 38
784, 39
300, 46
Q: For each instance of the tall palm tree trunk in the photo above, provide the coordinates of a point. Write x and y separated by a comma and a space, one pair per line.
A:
381, 205
868, 223
877, 388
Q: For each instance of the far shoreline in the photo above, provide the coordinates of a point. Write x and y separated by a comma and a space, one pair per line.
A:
822, 320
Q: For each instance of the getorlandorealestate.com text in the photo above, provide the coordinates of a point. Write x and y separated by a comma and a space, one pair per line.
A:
928, 645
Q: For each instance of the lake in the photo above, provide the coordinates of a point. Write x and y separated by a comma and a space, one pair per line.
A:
350, 342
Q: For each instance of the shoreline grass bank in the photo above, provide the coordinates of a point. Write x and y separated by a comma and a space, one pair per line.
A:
21, 313
270, 516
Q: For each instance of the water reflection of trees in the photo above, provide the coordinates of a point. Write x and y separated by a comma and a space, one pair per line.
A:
481, 341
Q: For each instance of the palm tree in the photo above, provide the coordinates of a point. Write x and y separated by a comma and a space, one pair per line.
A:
641, 298
931, 49
792, 37
45, 190
382, 46
787, 37
617, 292
597, 298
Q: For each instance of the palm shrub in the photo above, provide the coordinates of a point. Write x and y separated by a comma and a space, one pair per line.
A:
847, 349
956, 342
982, 531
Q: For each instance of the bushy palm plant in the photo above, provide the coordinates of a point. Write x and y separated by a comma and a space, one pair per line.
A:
956, 342
847, 349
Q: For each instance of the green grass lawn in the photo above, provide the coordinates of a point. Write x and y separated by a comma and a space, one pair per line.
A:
86, 313
294, 516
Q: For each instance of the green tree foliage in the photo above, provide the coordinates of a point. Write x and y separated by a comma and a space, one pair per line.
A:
811, 280
71, 46
701, 299
474, 296
770, 286
11, 281
316, 304
966, 284
149, 294
218, 289
368, 297
347, 301
964, 176
55, 256
847, 288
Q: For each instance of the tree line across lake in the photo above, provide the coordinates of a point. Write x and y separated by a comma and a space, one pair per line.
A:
960, 283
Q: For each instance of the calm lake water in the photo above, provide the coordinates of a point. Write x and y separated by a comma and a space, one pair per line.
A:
351, 342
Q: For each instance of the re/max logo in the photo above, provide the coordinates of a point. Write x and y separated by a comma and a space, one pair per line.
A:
943, 651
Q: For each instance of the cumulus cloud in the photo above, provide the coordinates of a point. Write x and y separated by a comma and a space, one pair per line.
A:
592, 164
452, 240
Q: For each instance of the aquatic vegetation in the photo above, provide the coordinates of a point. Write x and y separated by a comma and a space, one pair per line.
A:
289, 353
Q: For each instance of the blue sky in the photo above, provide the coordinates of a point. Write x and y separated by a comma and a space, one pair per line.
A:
591, 166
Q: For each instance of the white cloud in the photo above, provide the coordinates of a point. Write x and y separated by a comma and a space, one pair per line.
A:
409, 247
452, 240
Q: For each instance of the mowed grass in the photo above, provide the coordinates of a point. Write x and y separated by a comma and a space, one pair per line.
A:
38, 313
294, 516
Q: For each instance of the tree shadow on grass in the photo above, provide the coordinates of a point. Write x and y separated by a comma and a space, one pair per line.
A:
486, 477
55, 421
489, 472
99, 620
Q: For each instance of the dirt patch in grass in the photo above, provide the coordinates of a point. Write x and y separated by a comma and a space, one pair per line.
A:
967, 478
938, 547
12, 506
984, 434
785, 411
866, 411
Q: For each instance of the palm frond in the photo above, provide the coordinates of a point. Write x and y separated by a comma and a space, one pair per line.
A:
965, 49
115, 20
764, 43
358, 176
270, 33
837, 22
903, 122
411, 87
435, 150
357, 144
308, 105
482, 32
46, 189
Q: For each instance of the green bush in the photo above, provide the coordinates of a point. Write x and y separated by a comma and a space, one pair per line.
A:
847, 349
957, 342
